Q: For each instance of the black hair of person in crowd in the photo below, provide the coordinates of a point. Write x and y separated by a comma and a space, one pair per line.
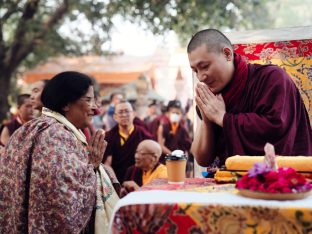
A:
59, 92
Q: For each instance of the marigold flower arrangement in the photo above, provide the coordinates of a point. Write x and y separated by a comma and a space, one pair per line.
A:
263, 178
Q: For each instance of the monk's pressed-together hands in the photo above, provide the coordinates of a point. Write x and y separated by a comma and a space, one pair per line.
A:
97, 147
212, 107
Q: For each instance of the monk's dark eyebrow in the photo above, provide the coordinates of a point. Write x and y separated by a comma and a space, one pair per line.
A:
202, 63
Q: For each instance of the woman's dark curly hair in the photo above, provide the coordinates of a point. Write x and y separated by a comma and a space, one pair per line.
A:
64, 88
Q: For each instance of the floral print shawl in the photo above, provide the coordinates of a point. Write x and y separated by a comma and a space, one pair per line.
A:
62, 185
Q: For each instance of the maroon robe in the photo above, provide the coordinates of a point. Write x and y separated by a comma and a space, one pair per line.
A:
154, 124
123, 155
270, 110
180, 140
13, 126
135, 174
137, 121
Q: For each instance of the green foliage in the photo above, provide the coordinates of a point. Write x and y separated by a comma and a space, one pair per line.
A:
31, 31
185, 17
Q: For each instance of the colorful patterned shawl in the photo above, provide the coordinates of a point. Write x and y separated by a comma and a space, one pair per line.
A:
59, 194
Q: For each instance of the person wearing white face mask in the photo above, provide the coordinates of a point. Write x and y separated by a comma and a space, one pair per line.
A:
174, 118
173, 134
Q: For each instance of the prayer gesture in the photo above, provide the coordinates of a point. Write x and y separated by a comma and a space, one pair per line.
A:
212, 106
97, 148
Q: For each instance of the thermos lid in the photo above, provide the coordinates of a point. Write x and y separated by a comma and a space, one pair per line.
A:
176, 155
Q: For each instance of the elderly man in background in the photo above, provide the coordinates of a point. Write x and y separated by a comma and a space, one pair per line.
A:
147, 166
123, 139
108, 118
35, 96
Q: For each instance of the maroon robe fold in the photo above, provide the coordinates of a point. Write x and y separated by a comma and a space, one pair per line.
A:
180, 140
135, 174
154, 124
13, 126
137, 121
123, 155
270, 110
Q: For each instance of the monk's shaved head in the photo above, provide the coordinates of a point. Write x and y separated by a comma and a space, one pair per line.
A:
151, 147
214, 40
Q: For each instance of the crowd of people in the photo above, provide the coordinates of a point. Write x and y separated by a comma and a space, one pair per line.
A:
63, 170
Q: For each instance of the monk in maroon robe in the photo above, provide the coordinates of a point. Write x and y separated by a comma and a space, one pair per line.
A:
156, 122
243, 106
172, 132
123, 139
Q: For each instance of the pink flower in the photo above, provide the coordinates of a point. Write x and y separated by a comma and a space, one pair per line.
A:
284, 180
271, 176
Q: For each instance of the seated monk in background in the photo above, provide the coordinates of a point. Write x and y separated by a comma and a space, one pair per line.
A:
147, 166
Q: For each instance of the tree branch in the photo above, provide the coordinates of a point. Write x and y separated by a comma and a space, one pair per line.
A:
2, 44
27, 47
29, 11
52, 20
11, 9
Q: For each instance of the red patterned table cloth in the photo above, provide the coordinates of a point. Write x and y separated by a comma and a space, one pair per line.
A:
201, 206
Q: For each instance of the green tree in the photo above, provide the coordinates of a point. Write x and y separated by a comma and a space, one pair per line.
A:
31, 30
